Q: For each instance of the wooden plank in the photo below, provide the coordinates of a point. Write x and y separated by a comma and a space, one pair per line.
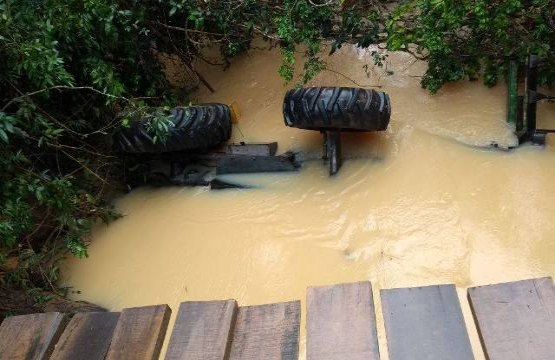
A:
139, 333
86, 337
341, 323
202, 330
269, 332
516, 320
30, 337
425, 323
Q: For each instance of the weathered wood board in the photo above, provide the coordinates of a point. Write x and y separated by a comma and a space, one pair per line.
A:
269, 332
30, 337
202, 330
516, 320
341, 323
425, 323
139, 333
86, 337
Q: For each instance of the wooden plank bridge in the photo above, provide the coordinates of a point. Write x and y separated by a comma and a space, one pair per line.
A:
514, 320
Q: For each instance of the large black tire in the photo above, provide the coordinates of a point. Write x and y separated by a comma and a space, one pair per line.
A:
195, 128
337, 108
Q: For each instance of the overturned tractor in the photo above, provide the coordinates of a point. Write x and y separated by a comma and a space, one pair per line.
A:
193, 152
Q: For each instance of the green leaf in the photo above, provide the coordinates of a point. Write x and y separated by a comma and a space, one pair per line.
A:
4, 136
9, 127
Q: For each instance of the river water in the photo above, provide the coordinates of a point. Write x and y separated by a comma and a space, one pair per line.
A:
427, 202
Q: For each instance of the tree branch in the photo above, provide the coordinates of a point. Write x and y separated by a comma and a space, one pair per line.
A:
62, 87
176, 28
352, 80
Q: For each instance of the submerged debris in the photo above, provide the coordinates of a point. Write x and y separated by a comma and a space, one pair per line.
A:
218, 184
246, 164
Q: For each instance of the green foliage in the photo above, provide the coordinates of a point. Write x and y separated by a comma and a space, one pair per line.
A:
466, 39
306, 25
159, 124
44, 212
230, 25
473, 38
67, 68
300, 23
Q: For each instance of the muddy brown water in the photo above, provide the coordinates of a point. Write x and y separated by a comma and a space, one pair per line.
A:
419, 204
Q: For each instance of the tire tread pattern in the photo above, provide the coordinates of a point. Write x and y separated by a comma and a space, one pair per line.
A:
195, 128
337, 108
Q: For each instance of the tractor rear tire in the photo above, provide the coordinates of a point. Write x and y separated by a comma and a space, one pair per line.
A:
337, 108
195, 128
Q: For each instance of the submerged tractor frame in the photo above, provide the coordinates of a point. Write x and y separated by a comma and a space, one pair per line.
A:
332, 150
522, 108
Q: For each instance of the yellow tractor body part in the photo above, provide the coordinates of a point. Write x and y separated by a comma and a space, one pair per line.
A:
235, 114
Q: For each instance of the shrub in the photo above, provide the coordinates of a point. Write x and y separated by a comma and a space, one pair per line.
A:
474, 38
